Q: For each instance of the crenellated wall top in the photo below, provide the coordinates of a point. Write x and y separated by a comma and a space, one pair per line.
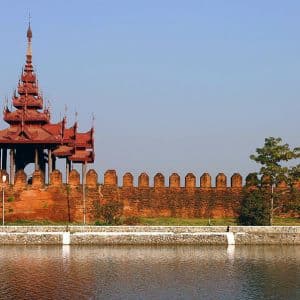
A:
190, 181
111, 179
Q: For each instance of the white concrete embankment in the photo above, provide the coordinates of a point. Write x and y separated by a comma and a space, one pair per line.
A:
150, 235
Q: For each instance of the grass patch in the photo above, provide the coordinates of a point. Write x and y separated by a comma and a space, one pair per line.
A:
39, 223
169, 221
286, 221
100, 223
163, 221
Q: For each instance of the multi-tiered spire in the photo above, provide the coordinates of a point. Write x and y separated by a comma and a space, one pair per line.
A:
29, 101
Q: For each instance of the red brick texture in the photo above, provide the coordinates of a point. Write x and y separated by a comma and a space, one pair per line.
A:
60, 202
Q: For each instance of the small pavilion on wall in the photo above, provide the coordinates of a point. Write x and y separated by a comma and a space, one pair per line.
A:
32, 138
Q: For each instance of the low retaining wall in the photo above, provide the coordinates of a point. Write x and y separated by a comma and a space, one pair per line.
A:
149, 235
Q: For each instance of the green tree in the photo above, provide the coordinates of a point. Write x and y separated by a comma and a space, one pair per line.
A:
252, 180
273, 157
254, 208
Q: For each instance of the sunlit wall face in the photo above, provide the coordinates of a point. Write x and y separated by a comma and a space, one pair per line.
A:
175, 86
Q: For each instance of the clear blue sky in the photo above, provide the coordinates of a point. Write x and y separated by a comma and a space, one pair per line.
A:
176, 86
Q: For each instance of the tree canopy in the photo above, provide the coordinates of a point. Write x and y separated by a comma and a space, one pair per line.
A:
272, 157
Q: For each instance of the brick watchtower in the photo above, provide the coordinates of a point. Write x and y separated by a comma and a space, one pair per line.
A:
32, 138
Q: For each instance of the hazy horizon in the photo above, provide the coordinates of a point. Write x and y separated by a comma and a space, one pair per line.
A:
175, 86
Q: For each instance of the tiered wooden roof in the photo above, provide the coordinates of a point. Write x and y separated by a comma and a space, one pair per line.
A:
30, 123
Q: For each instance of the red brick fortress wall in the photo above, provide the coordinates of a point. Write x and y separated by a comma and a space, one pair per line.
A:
57, 201
174, 200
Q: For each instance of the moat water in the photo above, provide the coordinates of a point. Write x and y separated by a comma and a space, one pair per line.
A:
168, 272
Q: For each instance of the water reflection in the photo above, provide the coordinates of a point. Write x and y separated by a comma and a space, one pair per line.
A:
168, 272
230, 251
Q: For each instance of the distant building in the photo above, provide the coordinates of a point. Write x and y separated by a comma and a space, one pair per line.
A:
32, 138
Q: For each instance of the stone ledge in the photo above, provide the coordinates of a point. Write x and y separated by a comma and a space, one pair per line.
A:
150, 235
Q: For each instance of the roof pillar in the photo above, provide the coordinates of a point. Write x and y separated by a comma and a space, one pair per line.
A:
4, 159
49, 164
12, 166
36, 159
68, 169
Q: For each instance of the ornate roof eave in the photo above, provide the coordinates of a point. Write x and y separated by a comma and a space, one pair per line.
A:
30, 142
18, 102
63, 151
